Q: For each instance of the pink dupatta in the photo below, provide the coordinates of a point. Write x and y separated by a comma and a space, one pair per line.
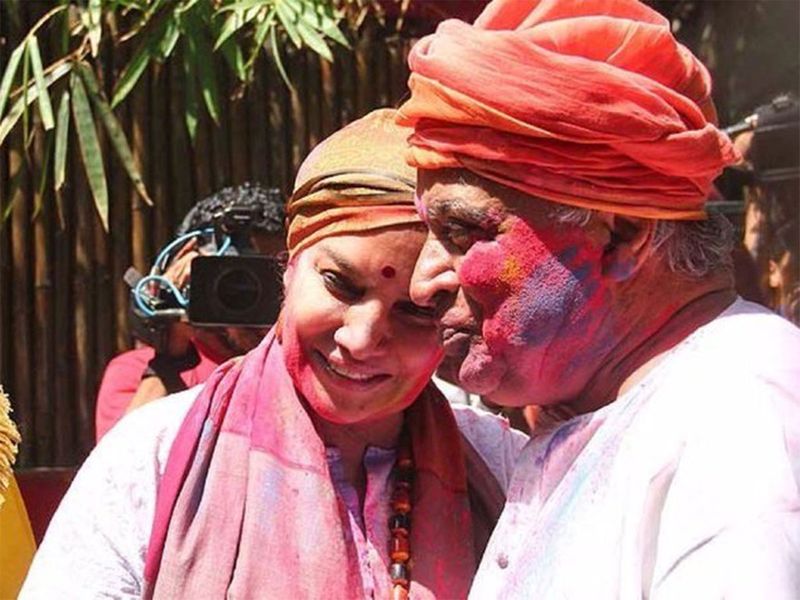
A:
246, 507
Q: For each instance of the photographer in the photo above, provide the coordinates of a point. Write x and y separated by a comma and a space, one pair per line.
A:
179, 354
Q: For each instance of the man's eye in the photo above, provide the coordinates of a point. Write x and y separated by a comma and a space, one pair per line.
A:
339, 285
463, 235
423, 315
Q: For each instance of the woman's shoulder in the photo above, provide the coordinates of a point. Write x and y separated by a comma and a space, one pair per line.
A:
148, 431
97, 539
497, 443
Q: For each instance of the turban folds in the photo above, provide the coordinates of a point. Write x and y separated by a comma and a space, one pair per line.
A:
359, 167
589, 103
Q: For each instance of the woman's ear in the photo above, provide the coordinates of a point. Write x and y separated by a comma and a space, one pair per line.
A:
288, 274
628, 244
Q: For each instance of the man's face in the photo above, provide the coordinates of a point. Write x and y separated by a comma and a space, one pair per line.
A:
523, 298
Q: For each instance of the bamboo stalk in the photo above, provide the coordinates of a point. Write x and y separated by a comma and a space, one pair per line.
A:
278, 130
183, 191
19, 386
220, 151
258, 124
313, 99
45, 420
121, 224
141, 239
238, 136
329, 99
158, 156
299, 123
364, 83
84, 302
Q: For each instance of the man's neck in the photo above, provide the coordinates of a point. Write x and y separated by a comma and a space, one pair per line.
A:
652, 327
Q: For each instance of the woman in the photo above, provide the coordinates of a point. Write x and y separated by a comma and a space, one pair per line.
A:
319, 465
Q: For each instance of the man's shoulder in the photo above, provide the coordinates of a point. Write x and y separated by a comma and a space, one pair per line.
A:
495, 441
746, 345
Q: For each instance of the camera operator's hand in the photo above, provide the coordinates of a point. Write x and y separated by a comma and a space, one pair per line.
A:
180, 268
179, 274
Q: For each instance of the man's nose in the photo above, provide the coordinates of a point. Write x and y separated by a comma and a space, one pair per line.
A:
365, 331
434, 282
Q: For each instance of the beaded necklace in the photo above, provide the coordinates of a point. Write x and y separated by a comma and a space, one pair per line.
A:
400, 521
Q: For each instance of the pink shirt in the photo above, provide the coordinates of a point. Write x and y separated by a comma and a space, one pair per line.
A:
122, 377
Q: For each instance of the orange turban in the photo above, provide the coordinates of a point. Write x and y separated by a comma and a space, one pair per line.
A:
589, 103
356, 180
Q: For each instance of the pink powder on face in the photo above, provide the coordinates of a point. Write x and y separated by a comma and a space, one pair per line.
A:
538, 291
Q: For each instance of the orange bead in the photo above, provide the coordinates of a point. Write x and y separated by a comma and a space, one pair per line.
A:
401, 501
401, 550
399, 593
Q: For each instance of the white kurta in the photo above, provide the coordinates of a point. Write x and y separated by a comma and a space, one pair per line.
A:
685, 487
96, 544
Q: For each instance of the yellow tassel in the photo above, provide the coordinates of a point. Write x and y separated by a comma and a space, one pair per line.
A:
9, 442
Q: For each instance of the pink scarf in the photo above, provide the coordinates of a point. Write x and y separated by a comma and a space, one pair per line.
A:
246, 507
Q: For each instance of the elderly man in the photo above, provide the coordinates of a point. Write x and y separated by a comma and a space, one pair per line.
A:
564, 150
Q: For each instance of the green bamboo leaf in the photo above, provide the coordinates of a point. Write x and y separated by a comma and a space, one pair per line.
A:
26, 91
133, 71
169, 39
235, 59
232, 24
287, 17
27, 96
276, 54
62, 138
45, 108
314, 40
260, 35
200, 53
43, 171
192, 102
329, 24
245, 5
115, 132
90, 147
8, 75
95, 26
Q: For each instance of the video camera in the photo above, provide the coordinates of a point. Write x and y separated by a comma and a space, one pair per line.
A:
775, 152
226, 289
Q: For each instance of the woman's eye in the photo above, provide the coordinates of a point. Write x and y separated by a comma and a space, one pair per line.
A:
339, 285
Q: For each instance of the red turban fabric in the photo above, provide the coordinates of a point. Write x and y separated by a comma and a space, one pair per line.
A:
589, 103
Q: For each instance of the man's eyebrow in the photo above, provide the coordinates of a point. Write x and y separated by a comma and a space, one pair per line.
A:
453, 207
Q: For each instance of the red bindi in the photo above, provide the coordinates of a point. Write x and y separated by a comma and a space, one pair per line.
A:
388, 272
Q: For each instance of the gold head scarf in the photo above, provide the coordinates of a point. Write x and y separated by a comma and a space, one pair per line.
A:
356, 180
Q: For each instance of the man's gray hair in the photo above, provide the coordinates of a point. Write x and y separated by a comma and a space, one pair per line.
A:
691, 248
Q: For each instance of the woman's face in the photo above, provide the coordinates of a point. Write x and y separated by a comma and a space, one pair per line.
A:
357, 348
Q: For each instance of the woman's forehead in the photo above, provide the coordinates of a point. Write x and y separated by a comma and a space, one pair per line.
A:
397, 247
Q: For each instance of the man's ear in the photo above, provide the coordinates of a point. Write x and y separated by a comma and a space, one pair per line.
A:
627, 246
774, 279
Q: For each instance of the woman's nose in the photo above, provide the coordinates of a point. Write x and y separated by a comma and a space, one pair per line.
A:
365, 331
434, 282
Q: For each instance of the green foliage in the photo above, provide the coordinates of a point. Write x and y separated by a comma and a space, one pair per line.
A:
208, 35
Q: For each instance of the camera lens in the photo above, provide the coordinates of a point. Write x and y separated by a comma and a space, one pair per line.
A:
238, 289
